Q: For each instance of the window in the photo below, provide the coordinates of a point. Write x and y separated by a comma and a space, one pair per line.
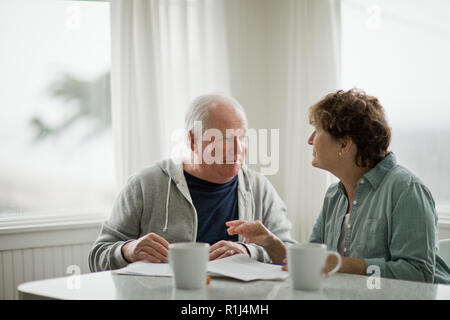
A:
399, 52
55, 123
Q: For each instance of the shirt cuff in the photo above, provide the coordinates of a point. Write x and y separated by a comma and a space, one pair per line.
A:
118, 258
256, 252
375, 265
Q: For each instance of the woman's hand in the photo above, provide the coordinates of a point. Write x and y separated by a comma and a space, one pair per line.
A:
255, 232
284, 267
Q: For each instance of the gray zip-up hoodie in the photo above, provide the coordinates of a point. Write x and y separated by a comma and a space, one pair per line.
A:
157, 199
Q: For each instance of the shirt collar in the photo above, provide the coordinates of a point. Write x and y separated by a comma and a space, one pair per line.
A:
377, 174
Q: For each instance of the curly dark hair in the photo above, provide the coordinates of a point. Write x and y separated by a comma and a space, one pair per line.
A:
359, 116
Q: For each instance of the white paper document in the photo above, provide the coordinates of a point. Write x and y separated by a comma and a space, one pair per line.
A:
238, 267
246, 269
145, 268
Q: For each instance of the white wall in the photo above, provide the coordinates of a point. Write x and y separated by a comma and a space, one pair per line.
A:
258, 58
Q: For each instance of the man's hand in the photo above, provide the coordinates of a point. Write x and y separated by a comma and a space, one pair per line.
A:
223, 249
150, 247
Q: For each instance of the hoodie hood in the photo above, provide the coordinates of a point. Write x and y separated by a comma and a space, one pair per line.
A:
175, 174
175, 171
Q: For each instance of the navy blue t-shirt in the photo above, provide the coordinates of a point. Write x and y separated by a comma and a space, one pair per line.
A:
215, 205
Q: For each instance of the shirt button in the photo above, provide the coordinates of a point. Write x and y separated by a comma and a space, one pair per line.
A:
355, 202
362, 181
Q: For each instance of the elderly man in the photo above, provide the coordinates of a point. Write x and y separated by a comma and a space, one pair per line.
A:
192, 200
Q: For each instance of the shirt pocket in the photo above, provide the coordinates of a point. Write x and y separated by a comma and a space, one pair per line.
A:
375, 238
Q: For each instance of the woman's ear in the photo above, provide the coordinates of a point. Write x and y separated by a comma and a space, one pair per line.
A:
346, 144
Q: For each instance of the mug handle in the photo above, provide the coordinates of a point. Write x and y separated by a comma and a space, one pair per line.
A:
338, 256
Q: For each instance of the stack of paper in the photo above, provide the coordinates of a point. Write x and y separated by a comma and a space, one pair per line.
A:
238, 267
144, 268
246, 269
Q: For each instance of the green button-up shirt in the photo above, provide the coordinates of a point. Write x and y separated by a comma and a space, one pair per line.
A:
393, 224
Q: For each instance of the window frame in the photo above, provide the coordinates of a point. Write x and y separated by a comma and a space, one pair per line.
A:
47, 220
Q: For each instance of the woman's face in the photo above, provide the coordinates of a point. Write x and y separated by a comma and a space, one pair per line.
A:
325, 149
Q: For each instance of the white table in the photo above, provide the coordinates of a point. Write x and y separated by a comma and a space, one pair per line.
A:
108, 285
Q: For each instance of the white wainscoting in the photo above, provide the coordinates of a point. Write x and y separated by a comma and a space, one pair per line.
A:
42, 251
23, 265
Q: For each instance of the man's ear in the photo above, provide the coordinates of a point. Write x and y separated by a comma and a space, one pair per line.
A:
191, 140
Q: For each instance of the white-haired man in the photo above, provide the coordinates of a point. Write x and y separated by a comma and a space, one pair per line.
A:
191, 201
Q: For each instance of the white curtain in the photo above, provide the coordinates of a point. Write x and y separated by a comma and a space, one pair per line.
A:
314, 70
285, 55
164, 53
277, 57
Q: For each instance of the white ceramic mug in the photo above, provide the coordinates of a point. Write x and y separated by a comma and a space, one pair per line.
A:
306, 263
189, 262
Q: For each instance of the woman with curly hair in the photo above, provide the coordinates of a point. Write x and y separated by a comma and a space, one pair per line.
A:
379, 213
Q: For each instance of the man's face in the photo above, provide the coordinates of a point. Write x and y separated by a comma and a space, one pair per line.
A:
224, 145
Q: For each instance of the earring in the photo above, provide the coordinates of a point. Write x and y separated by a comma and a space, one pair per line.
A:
340, 154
